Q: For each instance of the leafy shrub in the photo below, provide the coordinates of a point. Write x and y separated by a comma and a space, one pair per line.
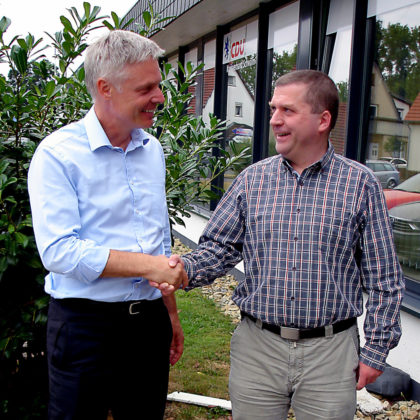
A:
37, 98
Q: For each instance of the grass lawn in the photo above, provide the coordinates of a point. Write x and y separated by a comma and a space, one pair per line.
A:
204, 366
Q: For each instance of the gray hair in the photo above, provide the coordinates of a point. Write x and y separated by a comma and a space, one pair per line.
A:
107, 56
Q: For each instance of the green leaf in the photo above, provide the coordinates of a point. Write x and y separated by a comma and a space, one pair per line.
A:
19, 58
147, 17
4, 24
86, 7
50, 88
3, 264
67, 25
22, 239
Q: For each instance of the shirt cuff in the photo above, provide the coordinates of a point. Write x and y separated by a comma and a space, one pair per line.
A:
189, 269
374, 356
93, 263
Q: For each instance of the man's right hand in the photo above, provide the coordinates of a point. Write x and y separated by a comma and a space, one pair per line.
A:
157, 269
166, 271
174, 262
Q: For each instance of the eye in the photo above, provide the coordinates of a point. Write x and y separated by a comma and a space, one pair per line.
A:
272, 110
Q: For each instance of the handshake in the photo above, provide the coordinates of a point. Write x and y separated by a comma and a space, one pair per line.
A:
169, 275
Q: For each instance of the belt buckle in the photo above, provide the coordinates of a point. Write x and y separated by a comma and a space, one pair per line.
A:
131, 310
289, 333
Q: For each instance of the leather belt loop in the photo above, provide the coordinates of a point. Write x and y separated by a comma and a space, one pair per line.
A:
131, 309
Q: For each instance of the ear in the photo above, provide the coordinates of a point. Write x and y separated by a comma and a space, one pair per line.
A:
104, 88
325, 122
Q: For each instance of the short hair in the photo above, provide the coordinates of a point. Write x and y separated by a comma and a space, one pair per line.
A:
107, 56
321, 93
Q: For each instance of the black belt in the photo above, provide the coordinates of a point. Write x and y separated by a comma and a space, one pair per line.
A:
299, 333
131, 307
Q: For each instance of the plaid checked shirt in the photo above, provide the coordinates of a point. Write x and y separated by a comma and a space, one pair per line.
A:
310, 245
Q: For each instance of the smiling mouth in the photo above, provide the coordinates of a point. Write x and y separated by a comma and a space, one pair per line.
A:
282, 134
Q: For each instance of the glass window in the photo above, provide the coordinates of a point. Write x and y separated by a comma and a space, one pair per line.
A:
282, 41
339, 37
394, 132
191, 57
238, 109
208, 79
240, 52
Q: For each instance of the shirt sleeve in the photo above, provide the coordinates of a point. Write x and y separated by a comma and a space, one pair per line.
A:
220, 246
383, 280
167, 237
56, 220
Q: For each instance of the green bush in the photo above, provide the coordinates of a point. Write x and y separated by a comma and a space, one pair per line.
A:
36, 98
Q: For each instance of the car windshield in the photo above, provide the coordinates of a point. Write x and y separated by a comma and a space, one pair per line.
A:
411, 184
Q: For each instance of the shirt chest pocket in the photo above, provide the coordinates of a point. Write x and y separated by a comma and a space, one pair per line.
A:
335, 226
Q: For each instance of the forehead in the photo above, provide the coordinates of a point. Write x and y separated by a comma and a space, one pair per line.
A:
293, 92
147, 71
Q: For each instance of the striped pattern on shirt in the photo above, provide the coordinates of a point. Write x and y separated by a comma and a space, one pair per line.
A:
310, 245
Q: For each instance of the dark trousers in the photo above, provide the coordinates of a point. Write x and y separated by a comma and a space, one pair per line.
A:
101, 357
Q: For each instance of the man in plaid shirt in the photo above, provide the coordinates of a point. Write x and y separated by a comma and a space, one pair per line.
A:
313, 231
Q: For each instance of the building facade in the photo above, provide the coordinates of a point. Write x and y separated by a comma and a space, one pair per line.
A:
370, 48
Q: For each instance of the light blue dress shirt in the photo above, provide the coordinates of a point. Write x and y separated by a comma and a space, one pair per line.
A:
88, 197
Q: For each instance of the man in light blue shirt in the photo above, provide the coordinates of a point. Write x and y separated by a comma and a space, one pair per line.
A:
97, 192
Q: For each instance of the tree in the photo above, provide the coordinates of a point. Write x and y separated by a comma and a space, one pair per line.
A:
282, 63
398, 57
343, 91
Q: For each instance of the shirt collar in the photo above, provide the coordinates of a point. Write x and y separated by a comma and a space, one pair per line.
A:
320, 165
97, 137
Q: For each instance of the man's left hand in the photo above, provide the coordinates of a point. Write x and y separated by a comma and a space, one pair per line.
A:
366, 375
177, 344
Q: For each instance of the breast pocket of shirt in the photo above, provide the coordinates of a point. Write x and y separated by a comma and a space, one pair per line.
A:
337, 228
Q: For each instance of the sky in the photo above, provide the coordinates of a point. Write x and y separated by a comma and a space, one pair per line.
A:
38, 17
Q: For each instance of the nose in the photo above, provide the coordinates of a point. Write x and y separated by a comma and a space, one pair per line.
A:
276, 118
158, 97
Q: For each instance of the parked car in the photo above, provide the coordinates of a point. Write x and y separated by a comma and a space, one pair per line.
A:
406, 226
408, 190
397, 162
385, 172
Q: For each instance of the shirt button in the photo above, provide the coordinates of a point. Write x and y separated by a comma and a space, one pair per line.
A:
297, 210
301, 182
292, 298
295, 238
294, 268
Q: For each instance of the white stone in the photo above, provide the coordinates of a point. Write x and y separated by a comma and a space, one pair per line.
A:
367, 403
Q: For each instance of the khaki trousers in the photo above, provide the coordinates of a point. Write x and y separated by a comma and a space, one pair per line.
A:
315, 376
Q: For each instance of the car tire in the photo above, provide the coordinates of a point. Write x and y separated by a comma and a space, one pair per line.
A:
391, 183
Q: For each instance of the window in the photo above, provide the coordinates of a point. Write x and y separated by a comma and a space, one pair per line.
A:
238, 109
339, 37
240, 52
373, 111
394, 129
282, 41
